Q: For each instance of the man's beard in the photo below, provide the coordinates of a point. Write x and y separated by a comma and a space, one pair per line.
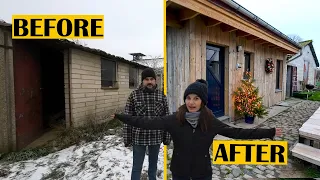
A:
150, 87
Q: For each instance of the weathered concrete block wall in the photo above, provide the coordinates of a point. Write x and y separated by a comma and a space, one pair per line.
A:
89, 102
7, 112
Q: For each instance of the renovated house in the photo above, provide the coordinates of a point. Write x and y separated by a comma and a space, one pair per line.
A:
303, 66
50, 81
219, 41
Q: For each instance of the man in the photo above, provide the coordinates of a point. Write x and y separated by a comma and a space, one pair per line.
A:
146, 100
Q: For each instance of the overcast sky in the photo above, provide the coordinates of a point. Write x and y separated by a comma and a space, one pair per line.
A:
130, 26
290, 17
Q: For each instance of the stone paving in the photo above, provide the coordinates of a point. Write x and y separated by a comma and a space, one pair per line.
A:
290, 121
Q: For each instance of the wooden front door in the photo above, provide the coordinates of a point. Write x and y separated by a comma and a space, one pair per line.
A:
28, 98
215, 79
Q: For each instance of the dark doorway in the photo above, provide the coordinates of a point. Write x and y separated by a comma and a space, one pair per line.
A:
289, 82
39, 89
52, 81
215, 78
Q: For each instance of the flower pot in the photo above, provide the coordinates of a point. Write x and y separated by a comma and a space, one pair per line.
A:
249, 119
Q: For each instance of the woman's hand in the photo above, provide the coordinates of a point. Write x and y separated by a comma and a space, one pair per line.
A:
278, 131
112, 116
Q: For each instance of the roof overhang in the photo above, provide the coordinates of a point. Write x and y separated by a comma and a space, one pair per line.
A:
217, 13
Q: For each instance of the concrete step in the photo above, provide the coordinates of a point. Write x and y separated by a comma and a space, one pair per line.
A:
310, 131
306, 153
224, 118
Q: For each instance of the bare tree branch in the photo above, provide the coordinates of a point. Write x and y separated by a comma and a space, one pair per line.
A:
295, 38
79, 42
154, 62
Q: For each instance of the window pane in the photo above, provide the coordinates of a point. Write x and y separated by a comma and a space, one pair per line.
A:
132, 76
278, 75
108, 72
246, 64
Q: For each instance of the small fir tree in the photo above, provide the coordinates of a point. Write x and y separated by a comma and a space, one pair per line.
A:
247, 101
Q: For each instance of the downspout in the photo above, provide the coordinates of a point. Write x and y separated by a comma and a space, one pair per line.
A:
242, 10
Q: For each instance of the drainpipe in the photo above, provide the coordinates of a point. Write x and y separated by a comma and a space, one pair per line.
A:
244, 11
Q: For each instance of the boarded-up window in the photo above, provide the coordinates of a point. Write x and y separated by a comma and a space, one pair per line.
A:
278, 74
133, 77
108, 73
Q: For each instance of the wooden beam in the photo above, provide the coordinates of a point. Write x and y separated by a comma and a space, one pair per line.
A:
227, 28
272, 46
212, 22
261, 41
242, 34
172, 20
252, 38
207, 8
267, 45
186, 14
278, 48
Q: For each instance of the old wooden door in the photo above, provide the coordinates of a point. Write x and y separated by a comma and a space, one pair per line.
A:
294, 79
215, 79
28, 97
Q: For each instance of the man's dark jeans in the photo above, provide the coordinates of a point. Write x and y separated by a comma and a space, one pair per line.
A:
184, 178
138, 158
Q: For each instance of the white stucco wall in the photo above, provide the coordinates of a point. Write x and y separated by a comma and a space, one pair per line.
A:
299, 63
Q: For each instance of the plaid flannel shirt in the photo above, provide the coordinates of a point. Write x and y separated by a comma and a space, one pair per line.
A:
142, 103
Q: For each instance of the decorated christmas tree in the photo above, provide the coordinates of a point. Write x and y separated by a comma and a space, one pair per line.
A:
247, 101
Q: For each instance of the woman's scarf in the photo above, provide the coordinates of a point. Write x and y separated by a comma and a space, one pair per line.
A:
192, 118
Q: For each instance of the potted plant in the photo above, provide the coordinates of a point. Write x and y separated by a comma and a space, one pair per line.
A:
247, 101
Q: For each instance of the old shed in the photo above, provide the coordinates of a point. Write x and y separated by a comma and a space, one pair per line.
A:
57, 82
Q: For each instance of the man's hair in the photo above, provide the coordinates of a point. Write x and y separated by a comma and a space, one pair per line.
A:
205, 118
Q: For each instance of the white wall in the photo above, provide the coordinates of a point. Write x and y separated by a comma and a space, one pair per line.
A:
299, 63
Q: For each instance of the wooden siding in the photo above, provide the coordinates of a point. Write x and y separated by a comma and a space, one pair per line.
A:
186, 58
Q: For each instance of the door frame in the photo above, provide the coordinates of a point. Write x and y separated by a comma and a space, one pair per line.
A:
222, 60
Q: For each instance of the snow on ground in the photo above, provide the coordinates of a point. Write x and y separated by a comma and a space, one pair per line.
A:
105, 159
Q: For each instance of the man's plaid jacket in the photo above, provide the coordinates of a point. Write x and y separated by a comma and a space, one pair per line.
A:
143, 103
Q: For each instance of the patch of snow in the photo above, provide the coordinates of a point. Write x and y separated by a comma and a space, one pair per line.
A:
106, 159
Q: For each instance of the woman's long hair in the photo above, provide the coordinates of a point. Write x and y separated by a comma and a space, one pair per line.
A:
205, 119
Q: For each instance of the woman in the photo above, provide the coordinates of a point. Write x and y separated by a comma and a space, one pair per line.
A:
192, 129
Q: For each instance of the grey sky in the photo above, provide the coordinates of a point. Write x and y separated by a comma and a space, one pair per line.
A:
130, 26
289, 17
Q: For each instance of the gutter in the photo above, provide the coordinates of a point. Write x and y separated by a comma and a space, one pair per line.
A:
293, 58
244, 11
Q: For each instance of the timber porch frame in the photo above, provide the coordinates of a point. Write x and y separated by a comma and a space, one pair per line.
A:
218, 13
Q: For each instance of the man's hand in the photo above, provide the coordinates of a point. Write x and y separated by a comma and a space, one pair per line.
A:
278, 131
112, 116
